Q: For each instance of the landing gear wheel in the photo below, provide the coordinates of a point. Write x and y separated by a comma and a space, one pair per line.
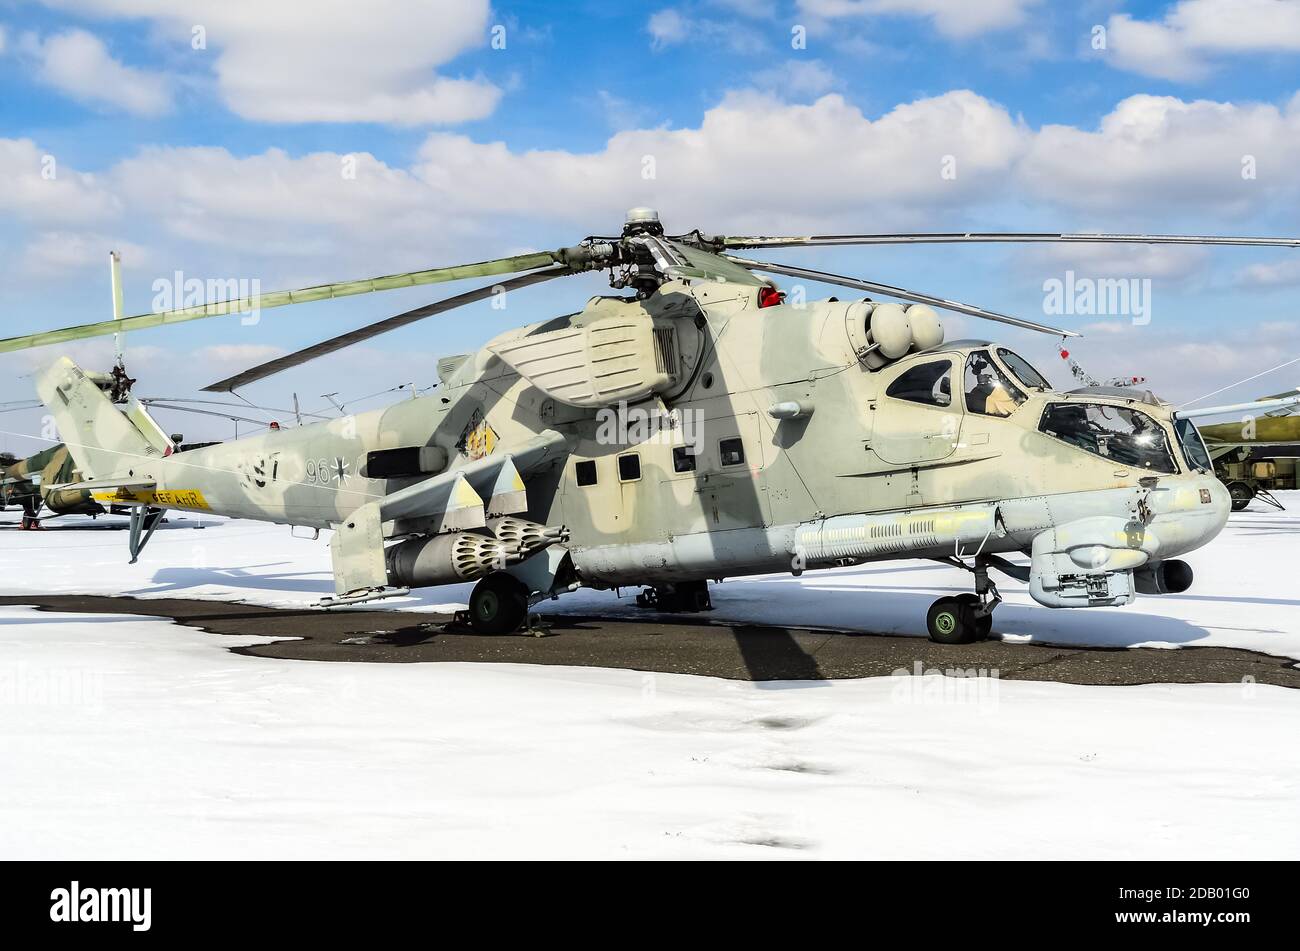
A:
498, 604
983, 625
951, 621
1243, 493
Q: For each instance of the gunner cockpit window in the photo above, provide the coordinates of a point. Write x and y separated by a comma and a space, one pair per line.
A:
1122, 435
928, 383
988, 390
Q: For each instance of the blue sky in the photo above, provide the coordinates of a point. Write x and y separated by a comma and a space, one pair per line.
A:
222, 161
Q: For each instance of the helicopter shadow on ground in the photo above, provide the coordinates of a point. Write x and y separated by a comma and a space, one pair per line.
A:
66, 619
177, 578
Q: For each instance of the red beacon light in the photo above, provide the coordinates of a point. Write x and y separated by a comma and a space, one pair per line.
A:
769, 296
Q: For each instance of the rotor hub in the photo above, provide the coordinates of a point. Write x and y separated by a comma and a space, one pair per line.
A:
642, 220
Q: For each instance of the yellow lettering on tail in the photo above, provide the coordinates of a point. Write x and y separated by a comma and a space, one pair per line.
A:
168, 498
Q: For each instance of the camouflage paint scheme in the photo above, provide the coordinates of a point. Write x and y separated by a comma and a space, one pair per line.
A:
862, 476
1265, 431
31, 483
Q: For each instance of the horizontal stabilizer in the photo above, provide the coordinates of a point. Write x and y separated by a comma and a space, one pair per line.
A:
126, 488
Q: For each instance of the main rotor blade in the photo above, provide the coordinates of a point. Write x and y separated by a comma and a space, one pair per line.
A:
901, 294
209, 412
521, 262
17, 405
993, 237
173, 402
279, 364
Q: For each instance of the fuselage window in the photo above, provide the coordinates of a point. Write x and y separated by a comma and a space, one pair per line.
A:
929, 383
989, 391
585, 472
629, 467
731, 451
1122, 435
684, 458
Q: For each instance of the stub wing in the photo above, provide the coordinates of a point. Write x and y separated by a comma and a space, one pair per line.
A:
125, 491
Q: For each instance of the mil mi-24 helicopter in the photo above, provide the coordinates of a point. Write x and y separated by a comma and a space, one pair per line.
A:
789, 436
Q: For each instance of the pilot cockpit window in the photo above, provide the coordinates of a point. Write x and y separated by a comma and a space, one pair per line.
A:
928, 383
1023, 370
988, 390
1123, 435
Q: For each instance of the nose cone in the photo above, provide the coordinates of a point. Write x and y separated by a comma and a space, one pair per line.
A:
1220, 505
1198, 512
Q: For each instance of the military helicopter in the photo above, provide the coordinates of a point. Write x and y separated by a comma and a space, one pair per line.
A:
1266, 422
698, 427
30, 483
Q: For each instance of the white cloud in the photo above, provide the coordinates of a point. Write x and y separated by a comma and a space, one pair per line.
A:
1114, 260
79, 65
1285, 273
328, 60
717, 176
1162, 153
4, 39
58, 253
672, 27
667, 28
289, 220
1183, 44
290, 217
237, 355
795, 77
39, 187
958, 19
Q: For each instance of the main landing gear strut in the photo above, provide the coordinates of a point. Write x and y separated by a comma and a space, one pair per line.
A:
965, 618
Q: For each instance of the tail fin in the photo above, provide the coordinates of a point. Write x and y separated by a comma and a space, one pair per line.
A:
102, 440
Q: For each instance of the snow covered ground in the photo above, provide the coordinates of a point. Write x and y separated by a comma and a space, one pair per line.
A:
132, 737
1245, 593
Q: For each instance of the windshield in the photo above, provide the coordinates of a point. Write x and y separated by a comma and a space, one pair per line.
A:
988, 390
1193, 446
1118, 433
1023, 370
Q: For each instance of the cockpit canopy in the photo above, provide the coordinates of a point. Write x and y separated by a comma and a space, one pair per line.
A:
988, 387
1127, 436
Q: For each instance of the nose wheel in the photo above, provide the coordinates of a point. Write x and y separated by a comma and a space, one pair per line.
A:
965, 618
957, 620
954, 620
